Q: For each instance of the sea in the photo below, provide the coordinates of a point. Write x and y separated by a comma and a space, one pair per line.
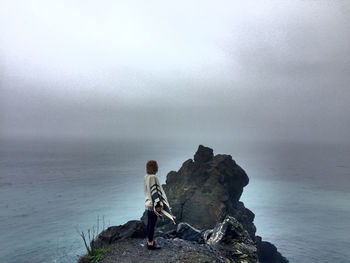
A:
53, 190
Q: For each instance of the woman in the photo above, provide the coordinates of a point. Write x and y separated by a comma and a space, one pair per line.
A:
156, 202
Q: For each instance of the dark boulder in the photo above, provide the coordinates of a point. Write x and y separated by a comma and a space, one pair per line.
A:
131, 229
203, 154
244, 216
204, 190
268, 252
230, 237
187, 232
207, 234
212, 224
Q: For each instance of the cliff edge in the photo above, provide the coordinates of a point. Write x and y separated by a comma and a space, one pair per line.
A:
212, 224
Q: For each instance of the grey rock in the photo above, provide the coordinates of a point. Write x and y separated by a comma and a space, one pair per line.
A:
228, 241
187, 232
229, 231
268, 252
207, 234
205, 194
173, 251
234, 241
131, 229
204, 190
203, 154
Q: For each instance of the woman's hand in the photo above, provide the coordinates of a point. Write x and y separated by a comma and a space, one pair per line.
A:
158, 207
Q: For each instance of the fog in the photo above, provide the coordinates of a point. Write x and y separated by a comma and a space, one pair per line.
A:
241, 70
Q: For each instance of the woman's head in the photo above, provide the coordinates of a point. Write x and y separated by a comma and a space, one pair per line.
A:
152, 167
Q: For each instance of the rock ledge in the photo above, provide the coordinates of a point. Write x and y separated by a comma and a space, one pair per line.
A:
212, 224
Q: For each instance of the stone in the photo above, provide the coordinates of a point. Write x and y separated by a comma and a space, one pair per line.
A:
207, 234
268, 252
203, 154
204, 190
230, 237
187, 232
213, 225
228, 232
131, 229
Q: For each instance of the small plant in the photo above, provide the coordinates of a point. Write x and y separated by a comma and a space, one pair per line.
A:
98, 254
94, 255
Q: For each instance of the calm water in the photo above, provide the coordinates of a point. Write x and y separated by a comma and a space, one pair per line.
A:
300, 193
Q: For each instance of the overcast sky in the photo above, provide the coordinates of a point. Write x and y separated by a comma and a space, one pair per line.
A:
245, 70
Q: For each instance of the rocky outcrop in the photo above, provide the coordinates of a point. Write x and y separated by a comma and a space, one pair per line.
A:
204, 196
233, 241
204, 190
267, 252
228, 242
207, 189
187, 232
133, 250
131, 229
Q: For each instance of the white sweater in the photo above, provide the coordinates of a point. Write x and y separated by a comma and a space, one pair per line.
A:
147, 188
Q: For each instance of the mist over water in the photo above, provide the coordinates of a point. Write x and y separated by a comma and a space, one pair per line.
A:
298, 192
92, 90
266, 70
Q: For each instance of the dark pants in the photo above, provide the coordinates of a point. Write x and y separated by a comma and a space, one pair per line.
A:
151, 223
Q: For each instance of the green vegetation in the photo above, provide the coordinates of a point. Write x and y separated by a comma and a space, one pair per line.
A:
93, 254
98, 254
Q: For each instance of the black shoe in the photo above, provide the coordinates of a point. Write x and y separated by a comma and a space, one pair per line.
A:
153, 247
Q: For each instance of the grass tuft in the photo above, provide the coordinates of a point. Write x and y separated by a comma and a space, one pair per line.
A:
93, 255
98, 254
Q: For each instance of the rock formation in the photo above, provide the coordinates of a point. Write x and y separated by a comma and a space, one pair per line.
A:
212, 224
204, 190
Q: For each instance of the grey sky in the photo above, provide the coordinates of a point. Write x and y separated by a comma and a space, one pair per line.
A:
260, 70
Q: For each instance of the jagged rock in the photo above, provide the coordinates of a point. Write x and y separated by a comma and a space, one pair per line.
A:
229, 231
202, 192
245, 217
234, 241
207, 234
227, 242
205, 194
187, 232
203, 154
223, 246
133, 229
268, 252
